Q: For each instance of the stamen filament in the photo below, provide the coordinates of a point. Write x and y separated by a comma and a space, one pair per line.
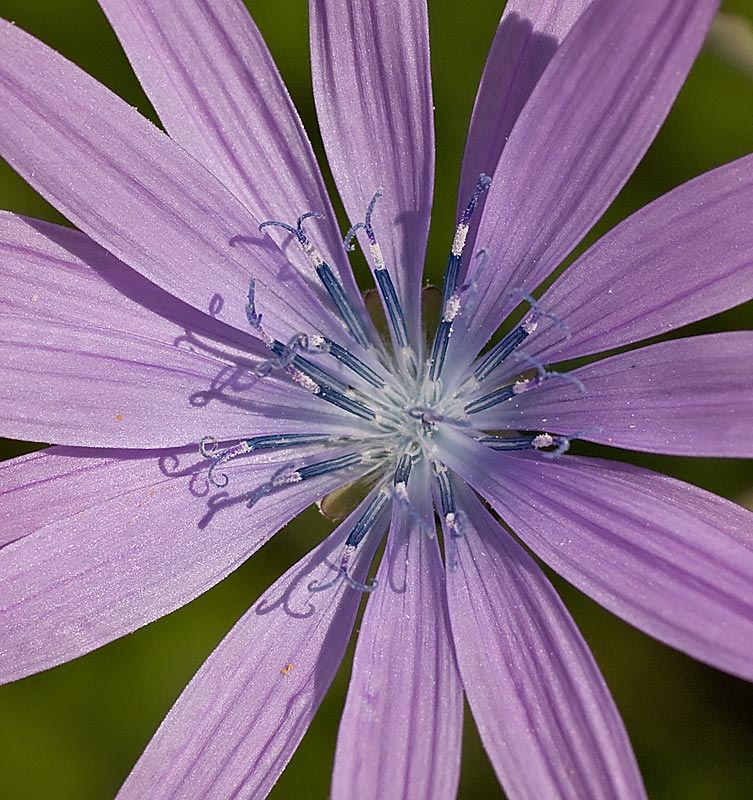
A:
367, 520
382, 275
446, 494
334, 288
450, 300
355, 364
393, 306
208, 449
517, 336
364, 525
501, 351
492, 399
343, 305
331, 465
403, 470
289, 473
449, 512
343, 401
530, 441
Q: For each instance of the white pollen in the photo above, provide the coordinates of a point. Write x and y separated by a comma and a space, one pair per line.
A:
314, 256
290, 477
376, 255
309, 384
458, 243
451, 309
542, 440
529, 326
521, 386
401, 490
315, 340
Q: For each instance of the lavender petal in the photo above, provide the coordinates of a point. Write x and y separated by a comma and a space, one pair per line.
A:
140, 195
588, 122
400, 733
102, 543
544, 713
249, 705
95, 355
684, 257
217, 90
689, 397
671, 559
372, 86
528, 35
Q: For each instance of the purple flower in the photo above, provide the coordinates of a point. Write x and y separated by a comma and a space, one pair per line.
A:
208, 368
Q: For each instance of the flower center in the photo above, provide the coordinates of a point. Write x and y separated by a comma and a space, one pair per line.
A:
397, 392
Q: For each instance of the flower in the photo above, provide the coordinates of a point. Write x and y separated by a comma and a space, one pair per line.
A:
202, 356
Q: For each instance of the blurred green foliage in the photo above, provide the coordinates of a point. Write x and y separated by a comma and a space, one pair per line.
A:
75, 731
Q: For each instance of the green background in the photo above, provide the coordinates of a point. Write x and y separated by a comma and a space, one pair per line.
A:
75, 731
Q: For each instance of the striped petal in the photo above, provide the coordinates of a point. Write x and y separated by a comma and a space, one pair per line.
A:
682, 258
672, 559
239, 721
400, 732
140, 195
95, 355
372, 86
588, 122
103, 543
689, 397
528, 35
544, 713
212, 80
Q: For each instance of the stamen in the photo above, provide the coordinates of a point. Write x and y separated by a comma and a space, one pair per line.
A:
367, 520
392, 303
334, 288
467, 293
446, 494
400, 494
517, 335
563, 445
302, 371
344, 306
439, 348
563, 442
303, 380
449, 512
254, 319
544, 374
451, 301
305, 373
318, 375
331, 465
208, 447
531, 441
459, 240
403, 470
363, 526
506, 392
308, 375
501, 351
286, 354
491, 399
381, 273
343, 401
354, 363
289, 474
